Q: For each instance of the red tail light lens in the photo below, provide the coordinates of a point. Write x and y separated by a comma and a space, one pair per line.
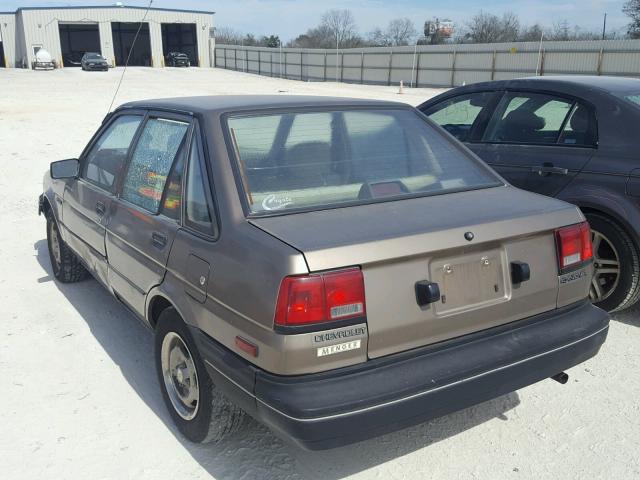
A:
574, 245
322, 297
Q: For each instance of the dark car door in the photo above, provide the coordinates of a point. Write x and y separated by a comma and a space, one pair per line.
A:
537, 141
144, 217
87, 200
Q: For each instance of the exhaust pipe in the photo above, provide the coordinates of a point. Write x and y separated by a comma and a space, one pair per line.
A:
561, 377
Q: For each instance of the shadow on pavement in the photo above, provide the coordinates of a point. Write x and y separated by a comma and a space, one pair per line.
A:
253, 452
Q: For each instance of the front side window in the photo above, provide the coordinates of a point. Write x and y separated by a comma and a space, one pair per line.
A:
109, 153
308, 160
528, 118
154, 154
458, 115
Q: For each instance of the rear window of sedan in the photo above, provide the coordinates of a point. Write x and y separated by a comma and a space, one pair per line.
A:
309, 160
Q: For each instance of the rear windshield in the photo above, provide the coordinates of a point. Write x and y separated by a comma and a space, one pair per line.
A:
312, 160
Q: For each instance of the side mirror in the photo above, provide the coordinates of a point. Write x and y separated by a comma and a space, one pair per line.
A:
65, 168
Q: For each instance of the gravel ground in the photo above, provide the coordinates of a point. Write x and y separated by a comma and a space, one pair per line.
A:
79, 393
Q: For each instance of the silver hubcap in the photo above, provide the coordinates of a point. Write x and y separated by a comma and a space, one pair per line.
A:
606, 264
180, 376
55, 244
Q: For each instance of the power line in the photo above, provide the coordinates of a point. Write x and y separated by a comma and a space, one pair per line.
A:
126, 63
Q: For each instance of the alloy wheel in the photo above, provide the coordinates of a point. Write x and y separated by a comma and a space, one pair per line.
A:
606, 267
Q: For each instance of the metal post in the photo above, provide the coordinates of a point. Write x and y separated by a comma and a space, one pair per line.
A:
259, 61
341, 66
224, 50
542, 62
271, 64
389, 72
418, 72
325, 67
413, 64
453, 67
285, 64
493, 65
362, 68
235, 59
600, 55
300, 65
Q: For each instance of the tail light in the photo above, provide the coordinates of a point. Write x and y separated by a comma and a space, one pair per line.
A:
321, 297
574, 245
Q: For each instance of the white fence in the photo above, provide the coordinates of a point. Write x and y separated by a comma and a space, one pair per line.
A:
436, 65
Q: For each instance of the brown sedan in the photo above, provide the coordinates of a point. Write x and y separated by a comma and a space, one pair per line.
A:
336, 268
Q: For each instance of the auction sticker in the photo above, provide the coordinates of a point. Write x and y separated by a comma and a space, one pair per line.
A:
340, 347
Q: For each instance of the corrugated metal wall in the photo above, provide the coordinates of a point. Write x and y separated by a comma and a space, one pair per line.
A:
8, 34
40, 27
436, 65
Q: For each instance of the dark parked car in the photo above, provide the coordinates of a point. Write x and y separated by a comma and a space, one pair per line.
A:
574, 138
94, 61
337, 268
178, 59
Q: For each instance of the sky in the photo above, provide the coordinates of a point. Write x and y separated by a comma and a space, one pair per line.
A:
288, 18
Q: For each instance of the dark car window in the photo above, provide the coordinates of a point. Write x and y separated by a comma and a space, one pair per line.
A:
107, 156
172, 203
197, 210
306, 160
458, 115
151, 161
580, 129
528, 118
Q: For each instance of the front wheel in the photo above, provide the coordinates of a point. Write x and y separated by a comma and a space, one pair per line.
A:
615, 284
66, 265
200, 411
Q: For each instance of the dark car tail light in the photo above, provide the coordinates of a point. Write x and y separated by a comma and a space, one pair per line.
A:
320, 297
574, 245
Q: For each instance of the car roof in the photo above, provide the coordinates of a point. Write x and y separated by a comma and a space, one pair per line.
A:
218, 104
564, 82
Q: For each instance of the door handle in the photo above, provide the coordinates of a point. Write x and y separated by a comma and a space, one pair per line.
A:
546, 170
100, 208
159, 240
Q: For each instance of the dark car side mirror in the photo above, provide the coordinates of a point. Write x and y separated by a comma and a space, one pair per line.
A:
65, 168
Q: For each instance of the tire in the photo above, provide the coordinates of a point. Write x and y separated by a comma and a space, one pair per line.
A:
612, 244
66, 266
207, 416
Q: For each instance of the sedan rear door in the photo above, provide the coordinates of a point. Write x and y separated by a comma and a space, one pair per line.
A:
145, 216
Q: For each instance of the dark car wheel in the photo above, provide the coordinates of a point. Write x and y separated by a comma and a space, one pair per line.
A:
66, 265
200, 411
615, 284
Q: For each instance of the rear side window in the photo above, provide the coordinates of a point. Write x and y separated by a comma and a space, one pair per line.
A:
108, 155
151, 162
306, 160
197, 210
531, 118
458, 115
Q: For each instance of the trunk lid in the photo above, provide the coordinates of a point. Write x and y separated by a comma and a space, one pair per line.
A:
399, 243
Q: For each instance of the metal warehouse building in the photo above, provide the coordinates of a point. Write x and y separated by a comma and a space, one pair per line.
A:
68, 32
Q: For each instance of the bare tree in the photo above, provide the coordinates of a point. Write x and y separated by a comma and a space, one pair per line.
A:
400, 31
342, 26
632, 10
488, 28
228, 36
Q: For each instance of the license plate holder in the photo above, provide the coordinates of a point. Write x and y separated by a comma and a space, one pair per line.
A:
469, 281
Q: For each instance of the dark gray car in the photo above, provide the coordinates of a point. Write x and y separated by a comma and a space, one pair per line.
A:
94, 61
574, 138
336, 268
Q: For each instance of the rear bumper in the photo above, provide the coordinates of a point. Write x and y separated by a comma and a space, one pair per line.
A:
342, 406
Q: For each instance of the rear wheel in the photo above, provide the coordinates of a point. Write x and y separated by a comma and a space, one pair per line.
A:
615, 284
66, 265
200, 411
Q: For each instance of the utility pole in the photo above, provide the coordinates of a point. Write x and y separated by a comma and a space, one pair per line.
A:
604, 27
